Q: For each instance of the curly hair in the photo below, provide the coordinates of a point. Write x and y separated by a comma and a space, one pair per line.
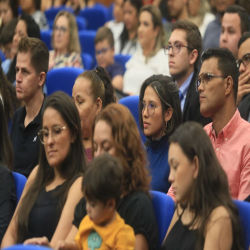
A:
129, 149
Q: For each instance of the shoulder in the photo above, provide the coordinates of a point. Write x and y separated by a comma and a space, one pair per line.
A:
18, 113
76, 185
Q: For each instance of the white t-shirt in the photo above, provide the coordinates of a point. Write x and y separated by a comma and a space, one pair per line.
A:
209, 17
116, 29
137, 70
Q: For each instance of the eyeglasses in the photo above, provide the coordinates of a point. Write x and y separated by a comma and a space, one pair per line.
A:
176, 47
102, 51
204, 78
55, 133
150, 108
61, 29
245, 60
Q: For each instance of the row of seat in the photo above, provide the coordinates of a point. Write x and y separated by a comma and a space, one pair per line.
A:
164, 208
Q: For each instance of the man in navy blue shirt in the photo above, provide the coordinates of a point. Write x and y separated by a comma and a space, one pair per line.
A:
31, 69
104, 49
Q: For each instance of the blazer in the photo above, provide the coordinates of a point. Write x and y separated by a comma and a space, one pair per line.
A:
244, 108
191, 111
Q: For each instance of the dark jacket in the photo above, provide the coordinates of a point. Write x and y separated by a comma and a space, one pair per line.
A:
244, 107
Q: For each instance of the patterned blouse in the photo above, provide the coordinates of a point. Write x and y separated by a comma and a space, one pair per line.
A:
72, 59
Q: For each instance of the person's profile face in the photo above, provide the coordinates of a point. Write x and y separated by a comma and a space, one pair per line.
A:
20, 31
182, 174
130, 16
179, 62
221, 5
212, 89
28, 82
104, 54
5, 12
244, 54
103, 141
230, 32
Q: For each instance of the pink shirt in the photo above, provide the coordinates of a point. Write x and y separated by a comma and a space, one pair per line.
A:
232, 147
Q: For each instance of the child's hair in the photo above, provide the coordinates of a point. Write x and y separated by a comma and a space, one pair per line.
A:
105, 33
103, 179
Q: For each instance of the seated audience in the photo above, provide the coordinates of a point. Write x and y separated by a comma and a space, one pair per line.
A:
127, 42
104, 50
160, 115
53, 189
235, 23
78, 5
31, 69
116, 133
8, 11
65, 42
211, 38
102, 227
6, 39
47, 4
243, 96
32, 7
150, 59
205, 216
229, 133
7, 185
184, 50
91, 93
199, 13
8, 97
26, 27
116, 25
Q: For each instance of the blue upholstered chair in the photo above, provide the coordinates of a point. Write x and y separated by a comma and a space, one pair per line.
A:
122, 59
20, 181
62, 79
87, 61
164, 210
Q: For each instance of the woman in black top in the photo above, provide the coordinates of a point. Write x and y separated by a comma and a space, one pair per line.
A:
54, 187
7, 185
116, 133
205, 216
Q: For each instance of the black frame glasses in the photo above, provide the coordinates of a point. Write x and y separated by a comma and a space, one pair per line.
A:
55, 133
176, 47
201, 77
245, 60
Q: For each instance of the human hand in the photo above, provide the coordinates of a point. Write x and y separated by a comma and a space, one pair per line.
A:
243, 86
42, 241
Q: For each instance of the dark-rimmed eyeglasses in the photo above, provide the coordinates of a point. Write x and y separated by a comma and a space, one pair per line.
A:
55, 133
176, 47
102, 51
245, 60
150, 108
204, 78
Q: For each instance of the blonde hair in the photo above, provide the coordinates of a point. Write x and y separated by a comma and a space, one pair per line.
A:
157, 22
74, 44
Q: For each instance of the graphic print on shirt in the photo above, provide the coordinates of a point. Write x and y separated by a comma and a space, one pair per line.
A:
94, 241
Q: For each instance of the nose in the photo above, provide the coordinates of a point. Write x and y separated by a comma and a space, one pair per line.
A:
50, 139
18, 76
171, 176
242, 68
145, 112
98, 152
223, 36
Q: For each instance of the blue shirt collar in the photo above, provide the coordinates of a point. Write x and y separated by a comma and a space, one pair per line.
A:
185, 85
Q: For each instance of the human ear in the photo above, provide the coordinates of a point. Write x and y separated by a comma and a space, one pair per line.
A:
228, 85
194, 56
98, 105
195, 166
168, 114
111, 204
42, 77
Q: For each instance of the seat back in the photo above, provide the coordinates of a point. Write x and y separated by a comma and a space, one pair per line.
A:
86, 38
96, 16
46, 36
2, 56
132, 103
52, 12
244, 213
87, 61
81, 23
62, 79
20, 181
122, 59
164, 210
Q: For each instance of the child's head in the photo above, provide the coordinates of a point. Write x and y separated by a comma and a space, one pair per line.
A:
102, 188
104, 47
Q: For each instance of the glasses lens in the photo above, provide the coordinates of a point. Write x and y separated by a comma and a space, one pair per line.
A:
246, 59
40, 135
143, 106
151, 109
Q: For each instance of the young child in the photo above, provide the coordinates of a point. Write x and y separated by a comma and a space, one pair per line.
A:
104, 49
102, 228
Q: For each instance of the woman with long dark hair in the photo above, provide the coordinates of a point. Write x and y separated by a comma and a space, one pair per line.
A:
127, 43
54, 187
7, 185
205, 216
160, 115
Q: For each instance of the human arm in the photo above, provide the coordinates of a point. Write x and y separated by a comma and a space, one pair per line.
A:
66, 245
117, 82
7, 199
10, 237
243, 86
218, 233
